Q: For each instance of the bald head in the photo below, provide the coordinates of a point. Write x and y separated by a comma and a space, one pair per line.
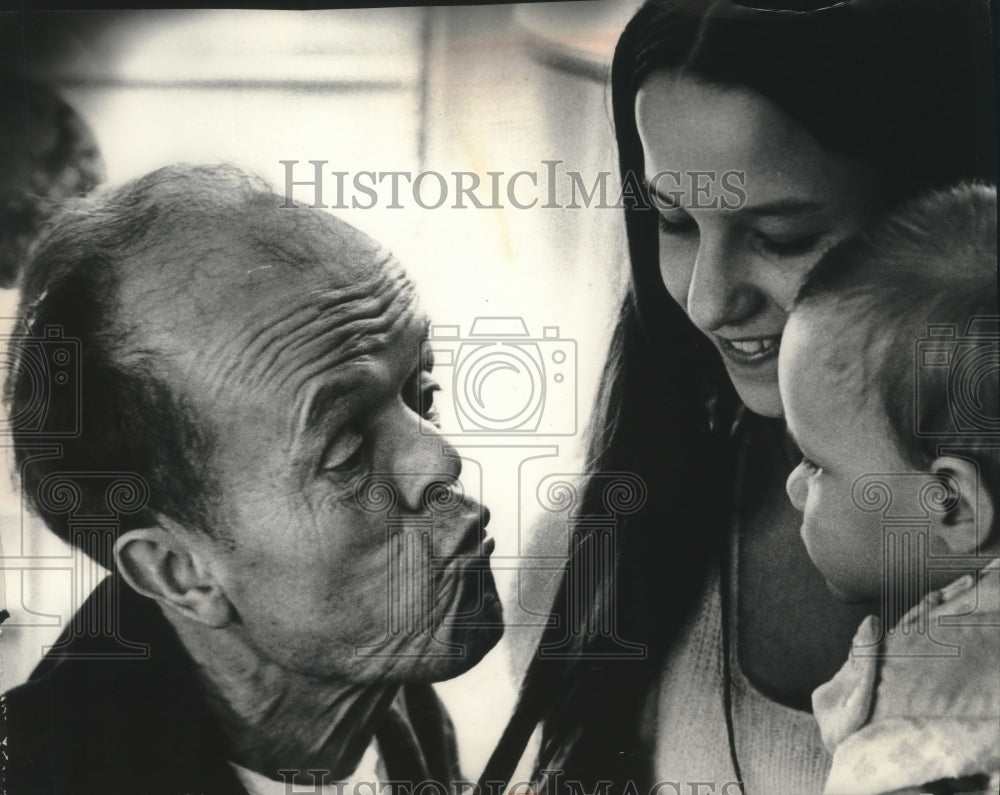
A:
190, 288
233, 292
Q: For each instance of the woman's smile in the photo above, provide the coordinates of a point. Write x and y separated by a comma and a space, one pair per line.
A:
749, 350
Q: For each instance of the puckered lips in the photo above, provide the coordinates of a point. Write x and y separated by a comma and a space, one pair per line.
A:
474, 544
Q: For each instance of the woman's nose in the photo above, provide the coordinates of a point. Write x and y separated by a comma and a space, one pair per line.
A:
797, 487
720, 292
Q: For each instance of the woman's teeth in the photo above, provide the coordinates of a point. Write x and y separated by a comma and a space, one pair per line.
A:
754, 346
752, 350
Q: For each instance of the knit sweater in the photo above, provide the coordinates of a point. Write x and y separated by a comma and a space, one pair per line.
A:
779, 749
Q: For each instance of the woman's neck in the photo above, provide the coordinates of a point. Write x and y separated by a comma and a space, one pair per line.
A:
275, 719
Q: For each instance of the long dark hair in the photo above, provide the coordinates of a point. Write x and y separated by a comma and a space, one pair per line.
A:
902, 86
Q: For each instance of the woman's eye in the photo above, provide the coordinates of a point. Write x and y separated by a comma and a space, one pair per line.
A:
345, 454
679, 223
786, 247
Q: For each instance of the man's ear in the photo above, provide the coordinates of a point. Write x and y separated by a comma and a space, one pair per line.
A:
161, 564
965, 529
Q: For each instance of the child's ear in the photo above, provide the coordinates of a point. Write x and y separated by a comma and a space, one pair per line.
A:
965, 528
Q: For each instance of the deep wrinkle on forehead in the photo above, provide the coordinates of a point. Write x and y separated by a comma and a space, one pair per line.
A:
356, 379
278, 351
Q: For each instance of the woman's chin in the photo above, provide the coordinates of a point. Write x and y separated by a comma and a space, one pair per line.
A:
760, 398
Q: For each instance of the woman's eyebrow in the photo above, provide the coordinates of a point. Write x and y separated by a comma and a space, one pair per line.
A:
667, 202
784, 207
779, 207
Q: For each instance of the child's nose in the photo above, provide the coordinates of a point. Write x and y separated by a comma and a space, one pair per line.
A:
797, 488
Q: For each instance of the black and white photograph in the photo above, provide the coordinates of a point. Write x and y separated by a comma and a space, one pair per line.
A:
575, 397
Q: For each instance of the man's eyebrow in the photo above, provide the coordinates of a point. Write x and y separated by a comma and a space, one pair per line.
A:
319, 407
426, 351
322, 402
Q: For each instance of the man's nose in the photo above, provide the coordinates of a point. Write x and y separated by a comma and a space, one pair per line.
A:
720, 291
426, 460
797, 488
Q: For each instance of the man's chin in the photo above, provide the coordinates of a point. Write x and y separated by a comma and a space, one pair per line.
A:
466, 630
475, 635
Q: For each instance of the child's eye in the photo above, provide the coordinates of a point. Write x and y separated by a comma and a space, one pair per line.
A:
810, 466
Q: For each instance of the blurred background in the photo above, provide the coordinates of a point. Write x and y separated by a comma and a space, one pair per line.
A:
479, 89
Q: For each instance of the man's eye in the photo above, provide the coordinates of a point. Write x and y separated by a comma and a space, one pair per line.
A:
418, 394
345, 454
430, 412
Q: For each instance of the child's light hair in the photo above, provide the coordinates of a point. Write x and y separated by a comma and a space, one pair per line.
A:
931, 261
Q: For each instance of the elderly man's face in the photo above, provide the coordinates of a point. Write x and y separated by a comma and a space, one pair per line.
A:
348, 557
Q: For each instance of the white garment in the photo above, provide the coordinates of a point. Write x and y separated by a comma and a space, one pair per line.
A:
363, 781
779, 749
922, 702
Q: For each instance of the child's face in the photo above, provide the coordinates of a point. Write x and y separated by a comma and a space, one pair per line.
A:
842, 438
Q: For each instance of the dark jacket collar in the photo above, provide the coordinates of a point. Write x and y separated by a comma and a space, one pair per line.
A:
120, 711
115, 707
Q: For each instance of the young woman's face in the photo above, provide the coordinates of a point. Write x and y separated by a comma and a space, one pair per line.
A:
748, 201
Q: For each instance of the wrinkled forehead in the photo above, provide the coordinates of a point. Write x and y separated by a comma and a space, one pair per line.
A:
273, 310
